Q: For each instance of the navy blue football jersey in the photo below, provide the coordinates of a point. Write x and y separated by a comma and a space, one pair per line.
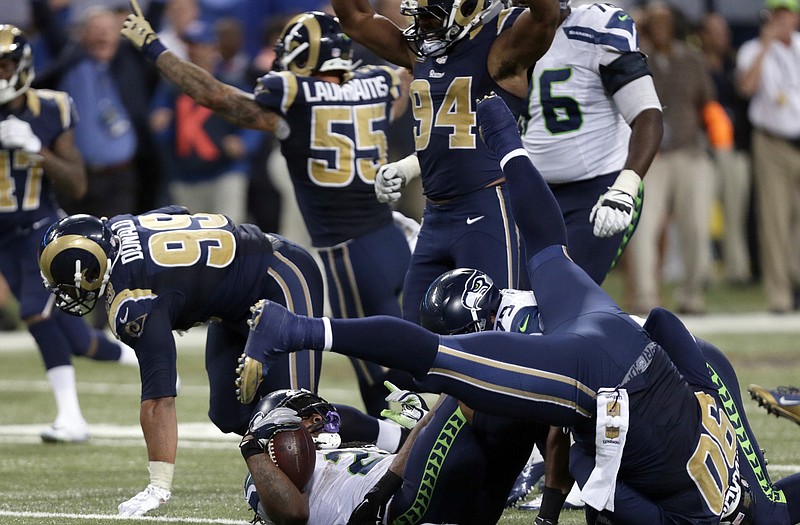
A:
335, 145
26, 195
202, 266
453, 158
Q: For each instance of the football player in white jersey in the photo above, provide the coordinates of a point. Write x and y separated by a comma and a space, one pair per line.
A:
593, 126
351, 483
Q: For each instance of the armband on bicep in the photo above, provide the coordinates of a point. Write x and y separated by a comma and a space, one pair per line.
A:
635, 97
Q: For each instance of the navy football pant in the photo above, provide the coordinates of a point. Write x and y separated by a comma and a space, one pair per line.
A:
596, 255
472, 231
365, 277
297, 284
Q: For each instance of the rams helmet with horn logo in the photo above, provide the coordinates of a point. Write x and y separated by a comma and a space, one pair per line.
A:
75, 258
313, 42
14, 45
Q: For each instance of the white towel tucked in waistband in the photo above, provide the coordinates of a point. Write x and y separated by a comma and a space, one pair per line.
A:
610, 432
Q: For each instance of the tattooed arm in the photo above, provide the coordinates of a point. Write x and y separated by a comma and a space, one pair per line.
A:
229, 102
282, 501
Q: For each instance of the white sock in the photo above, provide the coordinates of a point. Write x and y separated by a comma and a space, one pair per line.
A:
389, 434
326, 322
127, 356
68, 410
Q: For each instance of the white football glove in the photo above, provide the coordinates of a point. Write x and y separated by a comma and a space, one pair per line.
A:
412, 406
394, 176
280, 419
17, 134
613, 211
149, 499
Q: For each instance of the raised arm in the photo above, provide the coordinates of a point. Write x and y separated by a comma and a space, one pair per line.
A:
518, 48
229, 102
373, 31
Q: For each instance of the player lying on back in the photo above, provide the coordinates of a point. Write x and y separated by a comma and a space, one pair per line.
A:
358, 484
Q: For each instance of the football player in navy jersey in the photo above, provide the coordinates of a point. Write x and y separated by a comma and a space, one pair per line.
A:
37, 156
458, 52
168, 270
331, 120
594, 369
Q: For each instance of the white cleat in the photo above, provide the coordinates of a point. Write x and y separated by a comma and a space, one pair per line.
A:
149, 499
65, 434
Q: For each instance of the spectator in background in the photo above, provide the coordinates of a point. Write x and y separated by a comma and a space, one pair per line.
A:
768, 71
264, 200
104, 135
208, 154
733, 165
234, 64
177, 17
680, 182
111, 84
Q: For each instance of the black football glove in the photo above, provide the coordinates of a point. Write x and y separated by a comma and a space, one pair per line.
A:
371, 510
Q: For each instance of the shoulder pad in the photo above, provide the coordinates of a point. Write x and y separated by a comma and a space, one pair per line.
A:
128, 312
603, 25
57, 102
277, 91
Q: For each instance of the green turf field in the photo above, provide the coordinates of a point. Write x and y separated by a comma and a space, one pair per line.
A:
82, 484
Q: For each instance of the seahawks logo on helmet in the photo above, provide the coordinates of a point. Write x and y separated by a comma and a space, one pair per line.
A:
459, 301
14, 46
75, 260
439, 24
313, 42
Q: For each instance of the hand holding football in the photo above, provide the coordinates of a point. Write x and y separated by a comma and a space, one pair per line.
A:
295, 454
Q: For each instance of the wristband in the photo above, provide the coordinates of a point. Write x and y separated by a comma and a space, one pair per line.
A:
153, 49
628, 182
250, 448
409, 168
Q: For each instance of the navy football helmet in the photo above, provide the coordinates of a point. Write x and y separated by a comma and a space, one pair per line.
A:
75, 259
439, 24
313, 42
14, 45
306, 404
460, 301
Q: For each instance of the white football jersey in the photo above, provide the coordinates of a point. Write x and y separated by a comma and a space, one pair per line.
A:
340, 481
574, 131
517, 312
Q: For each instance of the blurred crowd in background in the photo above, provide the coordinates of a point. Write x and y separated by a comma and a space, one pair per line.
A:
145, 145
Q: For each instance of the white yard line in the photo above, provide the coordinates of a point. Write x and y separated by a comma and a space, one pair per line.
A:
192, 435
114, 517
